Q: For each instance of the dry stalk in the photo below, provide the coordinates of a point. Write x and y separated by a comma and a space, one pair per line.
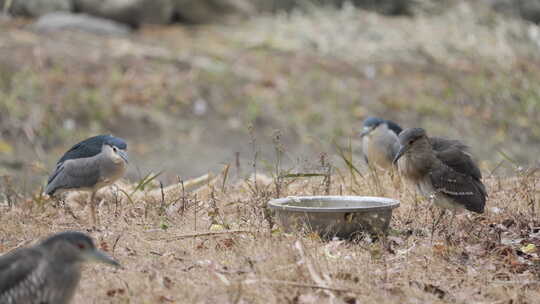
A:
188, 185
204, 233
298, 284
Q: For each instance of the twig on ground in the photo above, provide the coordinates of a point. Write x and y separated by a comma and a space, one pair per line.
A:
297, 284
188, 185
205, 233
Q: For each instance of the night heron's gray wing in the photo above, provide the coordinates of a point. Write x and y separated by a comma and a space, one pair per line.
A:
73, 174
86, 148
458, 177
82, 150
19, 280
56, 171
440, 144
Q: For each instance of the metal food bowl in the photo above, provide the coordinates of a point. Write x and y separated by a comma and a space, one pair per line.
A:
329, 216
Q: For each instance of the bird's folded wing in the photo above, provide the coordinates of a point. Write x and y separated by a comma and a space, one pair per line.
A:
83, 149
459, 161
79, 173
15, 268
80, 150
55, 172
442, 144
461, 188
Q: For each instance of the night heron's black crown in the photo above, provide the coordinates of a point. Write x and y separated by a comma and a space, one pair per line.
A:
374, 122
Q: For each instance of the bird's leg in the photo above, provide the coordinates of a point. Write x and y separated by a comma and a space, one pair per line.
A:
93, 208
436, 223
67, 208
449, 232
396, 178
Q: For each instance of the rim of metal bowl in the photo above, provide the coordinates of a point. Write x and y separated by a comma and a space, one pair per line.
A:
389, 203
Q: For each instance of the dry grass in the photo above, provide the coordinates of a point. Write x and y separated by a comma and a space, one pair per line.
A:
480, 259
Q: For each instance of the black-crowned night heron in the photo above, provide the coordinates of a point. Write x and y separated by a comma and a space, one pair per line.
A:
90, 165
49, 272
380, 142
447, 176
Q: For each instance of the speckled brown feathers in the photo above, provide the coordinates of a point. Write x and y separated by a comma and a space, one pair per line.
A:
49, 272
448, 175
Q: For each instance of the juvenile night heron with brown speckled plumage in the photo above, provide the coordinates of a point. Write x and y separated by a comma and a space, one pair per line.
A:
90, 165
447, 176
49, 272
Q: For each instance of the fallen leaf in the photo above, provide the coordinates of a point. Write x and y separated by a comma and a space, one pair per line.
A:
433, 289
164, 299
114, 292
5, 147
529, 248
440, 249
167, 282
104, 246
201, 246
347, 276
276, 231
225, 244
216, 227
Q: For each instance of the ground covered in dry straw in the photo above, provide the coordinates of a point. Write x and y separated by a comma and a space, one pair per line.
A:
216, 243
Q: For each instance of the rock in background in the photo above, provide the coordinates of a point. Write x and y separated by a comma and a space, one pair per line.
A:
526, 9
79, 22
36, 8
212, 11
137, 12
131, 12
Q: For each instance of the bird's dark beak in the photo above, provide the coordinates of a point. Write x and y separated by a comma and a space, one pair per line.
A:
100, 257
365, 131
123, 154
399, 154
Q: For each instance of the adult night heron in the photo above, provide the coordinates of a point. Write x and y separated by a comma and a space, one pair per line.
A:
448, 176
48, 272
90, 165
380, 142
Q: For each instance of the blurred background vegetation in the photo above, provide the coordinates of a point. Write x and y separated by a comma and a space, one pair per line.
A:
190, 84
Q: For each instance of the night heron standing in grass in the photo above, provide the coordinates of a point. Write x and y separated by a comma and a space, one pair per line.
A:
49, 272
380, 142
448, 176
90, 165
